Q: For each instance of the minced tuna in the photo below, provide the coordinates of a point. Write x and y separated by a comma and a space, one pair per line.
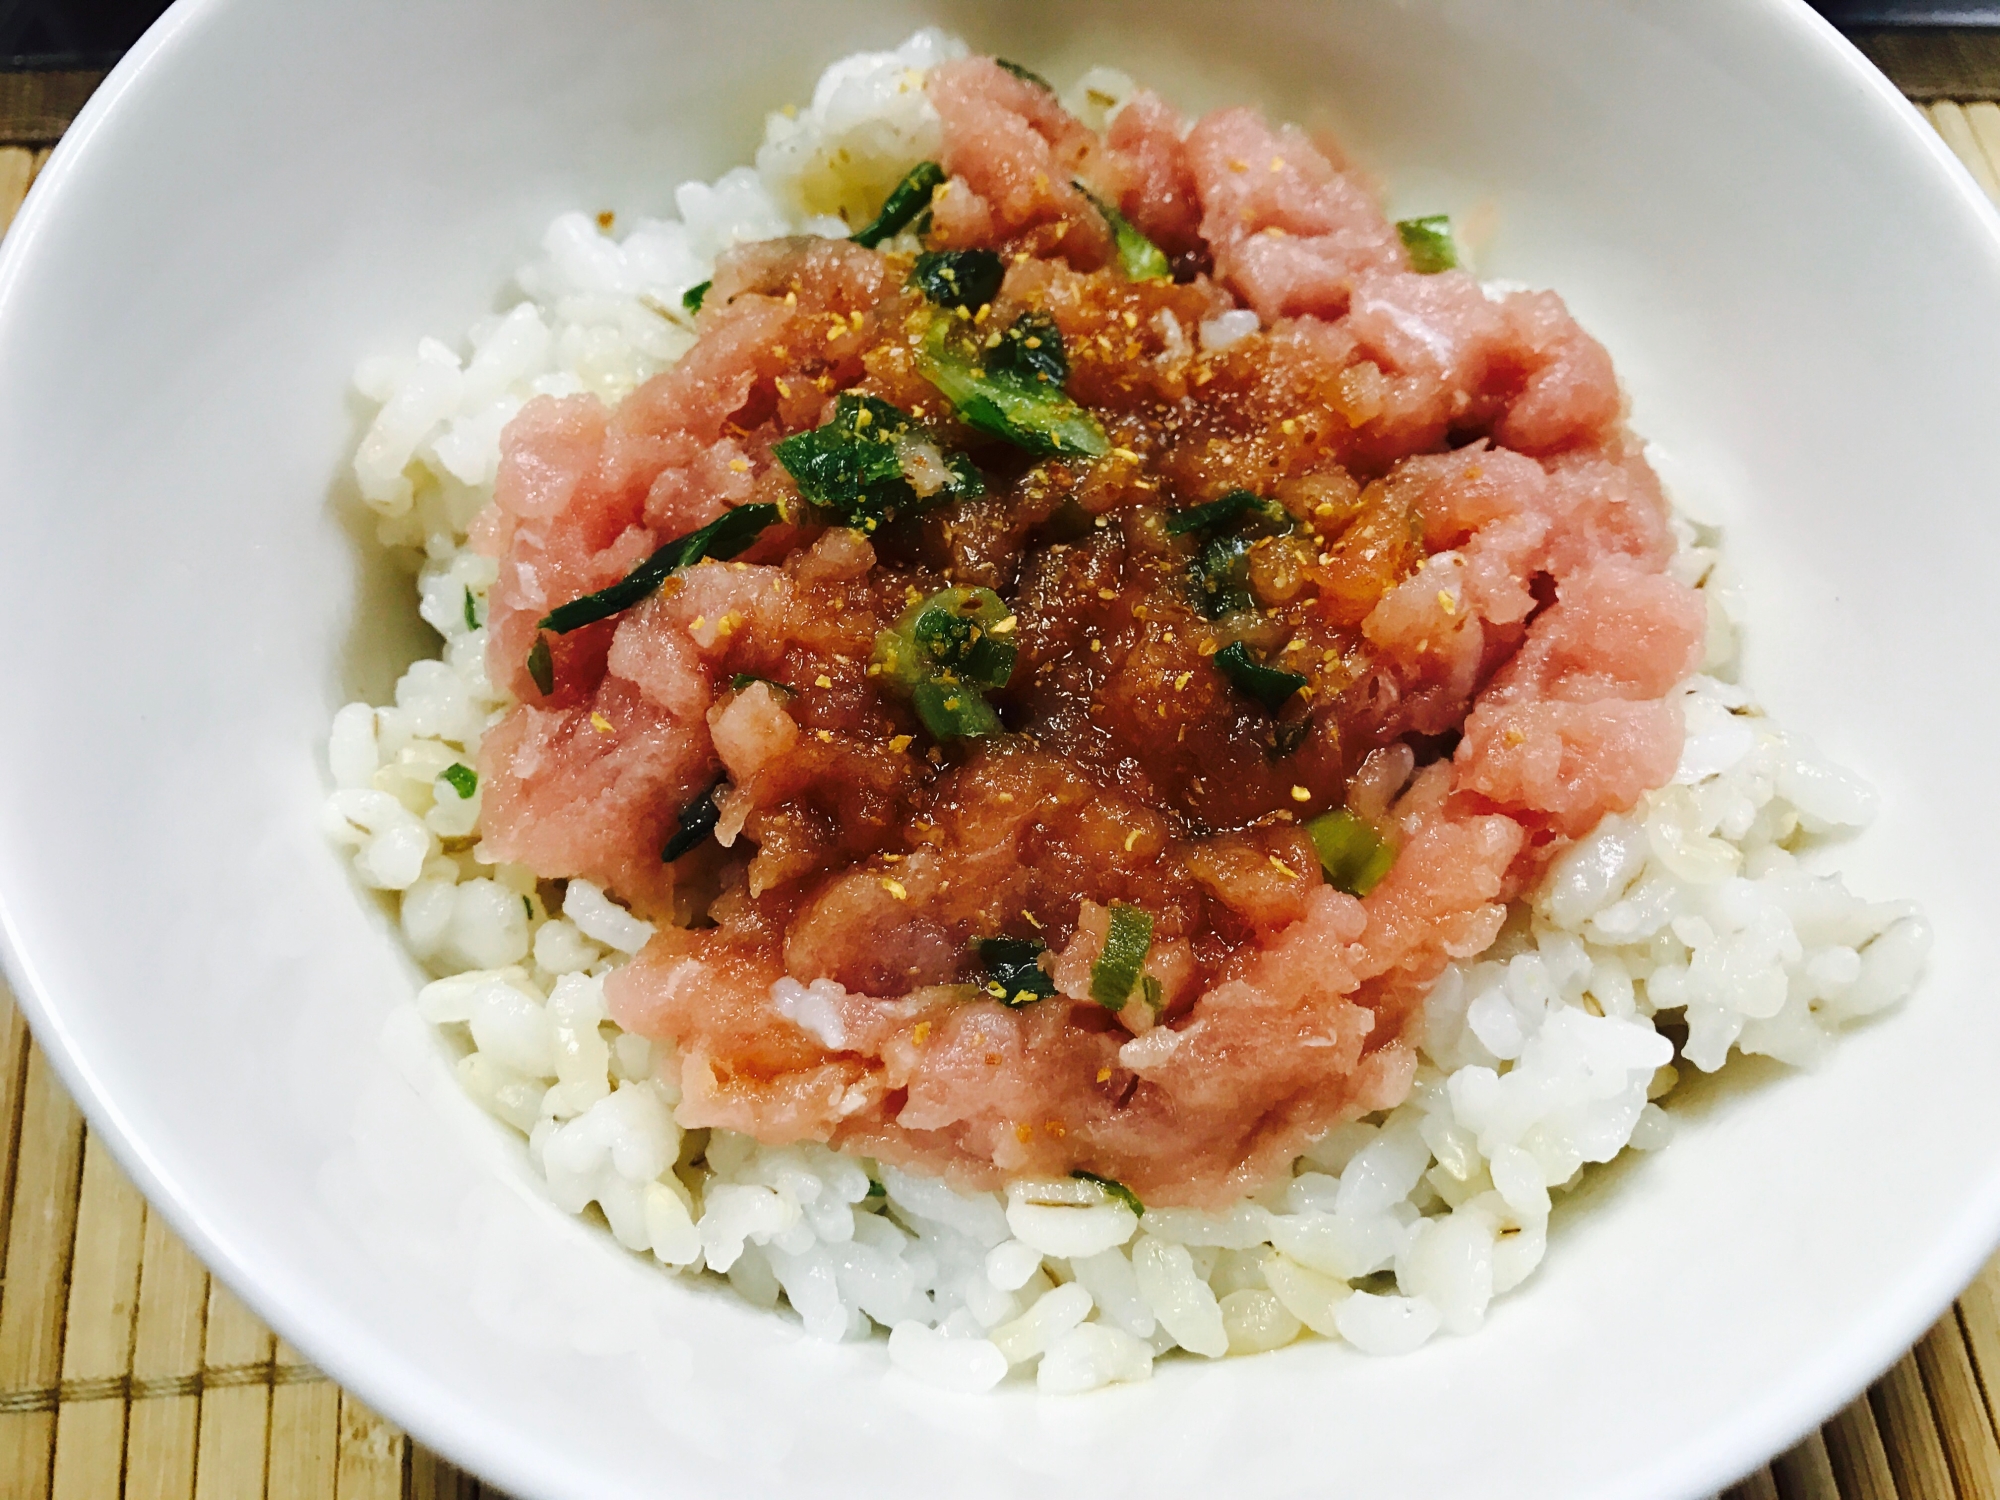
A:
1001, 803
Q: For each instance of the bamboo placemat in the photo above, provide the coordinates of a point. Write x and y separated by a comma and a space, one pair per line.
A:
126, 1373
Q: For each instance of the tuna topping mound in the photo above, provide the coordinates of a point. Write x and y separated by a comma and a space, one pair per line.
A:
1065, 668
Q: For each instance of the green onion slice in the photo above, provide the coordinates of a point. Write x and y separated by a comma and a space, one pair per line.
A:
950, 635
1218, 573
1032, 413
1354, 856
1138, 257
857, 466
728, 534
1115, 1188
691, 299
471, 612
1013, 977
959, 278
1219, 577
906, 200
1030, 350
1237, 505
1430, 244
743, 679
1025, 75
461, 779
1126, 944
1270, 686
955, 711
541, 667
697, 821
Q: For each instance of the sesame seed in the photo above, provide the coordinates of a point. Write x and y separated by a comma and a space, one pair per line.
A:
896, 889
1104, 1075
601, 724
920, 1033
823, 681
901, 743
1300, 794
1131, 839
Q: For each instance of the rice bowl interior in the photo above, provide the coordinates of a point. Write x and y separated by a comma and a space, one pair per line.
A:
1819, 634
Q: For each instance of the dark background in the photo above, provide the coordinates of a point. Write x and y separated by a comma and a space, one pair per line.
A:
92, 33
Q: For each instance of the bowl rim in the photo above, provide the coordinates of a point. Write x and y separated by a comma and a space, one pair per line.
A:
348, 1353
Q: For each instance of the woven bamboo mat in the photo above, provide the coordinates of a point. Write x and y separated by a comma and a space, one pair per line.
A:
126, 1373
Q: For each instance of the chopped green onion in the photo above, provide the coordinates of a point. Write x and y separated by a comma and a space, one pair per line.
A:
856, 466
461, 778
1138, 257
959, 633
691, 299
1430, 243
943, 651
1013, 975
906, 200
471, 612
1031, 413
1030, 349
1231, 508
876, 1190
528, 906
728, 534
1115, 1188
1217, 571
951, 635
697, 821
1354, 856
1220, 576
959, 278
1154, 993
743, 679
955, 711
1126, 943
1024, 75
541, 667
1270, 686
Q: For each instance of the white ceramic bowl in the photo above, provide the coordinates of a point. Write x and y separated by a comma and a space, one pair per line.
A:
1802, 290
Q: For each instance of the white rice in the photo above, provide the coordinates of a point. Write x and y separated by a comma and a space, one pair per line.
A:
1545, 1054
